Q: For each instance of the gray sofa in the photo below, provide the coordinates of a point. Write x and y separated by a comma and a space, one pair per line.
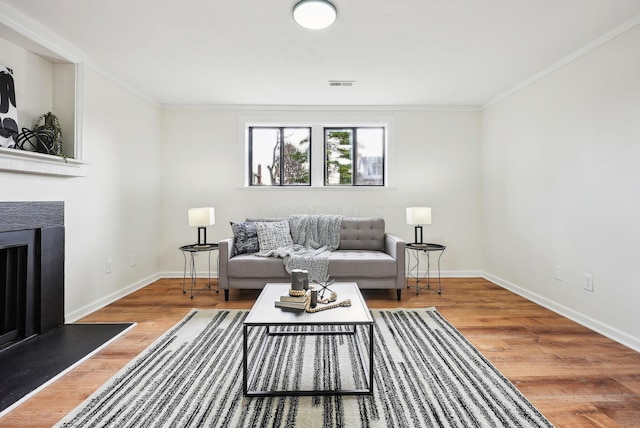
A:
367, 255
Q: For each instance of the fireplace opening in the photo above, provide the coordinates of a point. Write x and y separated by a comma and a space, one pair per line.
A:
18, 289
31, 270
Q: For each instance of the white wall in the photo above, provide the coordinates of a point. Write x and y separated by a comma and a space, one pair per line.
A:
33, 79
112, 213
434, 157
560, 184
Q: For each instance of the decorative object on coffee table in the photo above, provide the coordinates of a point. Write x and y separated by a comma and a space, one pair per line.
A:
299, 279
324, 285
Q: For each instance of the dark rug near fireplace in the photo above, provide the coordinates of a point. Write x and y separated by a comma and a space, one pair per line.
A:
29, 365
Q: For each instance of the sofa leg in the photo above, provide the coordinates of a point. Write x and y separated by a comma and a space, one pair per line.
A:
399, 294
226, 295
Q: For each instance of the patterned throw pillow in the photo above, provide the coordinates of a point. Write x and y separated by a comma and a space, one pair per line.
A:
245, 237
273, 234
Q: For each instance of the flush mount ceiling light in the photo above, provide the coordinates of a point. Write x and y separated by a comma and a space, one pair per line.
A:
314, 14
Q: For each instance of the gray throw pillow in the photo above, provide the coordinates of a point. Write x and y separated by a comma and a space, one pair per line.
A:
245, 237
273, 234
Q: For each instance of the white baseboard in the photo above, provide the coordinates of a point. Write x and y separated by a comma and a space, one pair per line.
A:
444, 273
73, 316
180, 274
584, 320
595, 325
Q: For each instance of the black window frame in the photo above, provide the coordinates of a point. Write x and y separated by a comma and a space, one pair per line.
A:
281, 166
354, 155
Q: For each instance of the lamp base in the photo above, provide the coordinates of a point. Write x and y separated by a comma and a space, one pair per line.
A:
415, 237
204, 230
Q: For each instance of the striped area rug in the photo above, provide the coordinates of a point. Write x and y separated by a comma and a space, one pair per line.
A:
426, 374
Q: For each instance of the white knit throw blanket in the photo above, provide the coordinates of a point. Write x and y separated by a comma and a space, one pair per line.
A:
314, 237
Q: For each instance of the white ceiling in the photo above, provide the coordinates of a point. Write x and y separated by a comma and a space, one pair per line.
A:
399, 52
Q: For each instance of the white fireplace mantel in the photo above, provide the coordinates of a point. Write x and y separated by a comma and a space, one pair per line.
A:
38, 163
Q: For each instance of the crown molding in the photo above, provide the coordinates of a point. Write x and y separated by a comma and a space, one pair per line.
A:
329, 108
589, 47
24, 31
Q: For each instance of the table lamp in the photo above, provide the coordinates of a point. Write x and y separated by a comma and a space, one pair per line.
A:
201, 218
418, 216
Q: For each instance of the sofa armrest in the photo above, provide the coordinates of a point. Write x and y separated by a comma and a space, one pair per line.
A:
225, 252
395, 247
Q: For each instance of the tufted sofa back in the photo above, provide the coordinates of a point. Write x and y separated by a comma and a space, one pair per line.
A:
362, 233
357, 233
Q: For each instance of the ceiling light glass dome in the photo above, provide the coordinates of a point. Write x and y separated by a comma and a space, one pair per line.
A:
314, 14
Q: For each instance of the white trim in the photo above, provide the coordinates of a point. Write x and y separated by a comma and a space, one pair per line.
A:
444, 273
433, 274
201, 274
106, 300
78, 143
35, 37
123, 83
584, 50
320, 108
584, 320
37, 163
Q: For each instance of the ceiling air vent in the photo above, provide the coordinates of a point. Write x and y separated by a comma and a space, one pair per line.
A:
341, 82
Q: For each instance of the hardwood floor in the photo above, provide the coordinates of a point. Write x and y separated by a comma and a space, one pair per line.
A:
575, 377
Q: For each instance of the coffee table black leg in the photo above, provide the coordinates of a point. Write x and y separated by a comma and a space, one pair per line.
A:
244, 359
371, 358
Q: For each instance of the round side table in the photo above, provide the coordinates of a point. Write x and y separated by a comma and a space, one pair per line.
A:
414, 251
192, 250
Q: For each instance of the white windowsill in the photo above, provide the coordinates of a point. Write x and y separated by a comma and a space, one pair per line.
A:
37, 163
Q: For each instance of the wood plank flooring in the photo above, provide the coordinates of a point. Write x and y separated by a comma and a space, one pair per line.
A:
575, 377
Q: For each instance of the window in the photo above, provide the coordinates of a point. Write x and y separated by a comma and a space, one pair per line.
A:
354, 156
280, 156
316, 153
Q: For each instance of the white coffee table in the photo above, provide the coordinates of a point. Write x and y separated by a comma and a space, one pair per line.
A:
264, 314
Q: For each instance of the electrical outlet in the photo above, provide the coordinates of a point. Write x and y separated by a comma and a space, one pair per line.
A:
109, 266
133, 260
588, 282
557, 272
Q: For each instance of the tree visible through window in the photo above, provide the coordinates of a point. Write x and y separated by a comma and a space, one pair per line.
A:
280, 156
354, 156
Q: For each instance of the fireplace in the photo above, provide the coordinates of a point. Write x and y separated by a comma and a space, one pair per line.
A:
31, 269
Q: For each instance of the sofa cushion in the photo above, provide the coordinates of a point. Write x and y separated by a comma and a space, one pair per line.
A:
342, 264
245, 237
273, 235
362, 234
363, 264
252, 266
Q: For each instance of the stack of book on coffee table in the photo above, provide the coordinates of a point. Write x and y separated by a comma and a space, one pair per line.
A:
292, 302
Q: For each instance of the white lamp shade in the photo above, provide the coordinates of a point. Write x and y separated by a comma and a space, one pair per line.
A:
199, 217
314, 14
418, 215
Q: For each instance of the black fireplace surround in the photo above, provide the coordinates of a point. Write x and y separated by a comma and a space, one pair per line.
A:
31, 269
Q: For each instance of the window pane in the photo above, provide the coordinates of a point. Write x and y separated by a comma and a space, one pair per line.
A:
296, 156
265, 156
370, 157
339, 156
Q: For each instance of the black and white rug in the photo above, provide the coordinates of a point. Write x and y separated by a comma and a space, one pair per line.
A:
426, 374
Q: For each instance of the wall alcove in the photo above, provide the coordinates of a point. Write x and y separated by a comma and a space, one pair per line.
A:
48, 76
